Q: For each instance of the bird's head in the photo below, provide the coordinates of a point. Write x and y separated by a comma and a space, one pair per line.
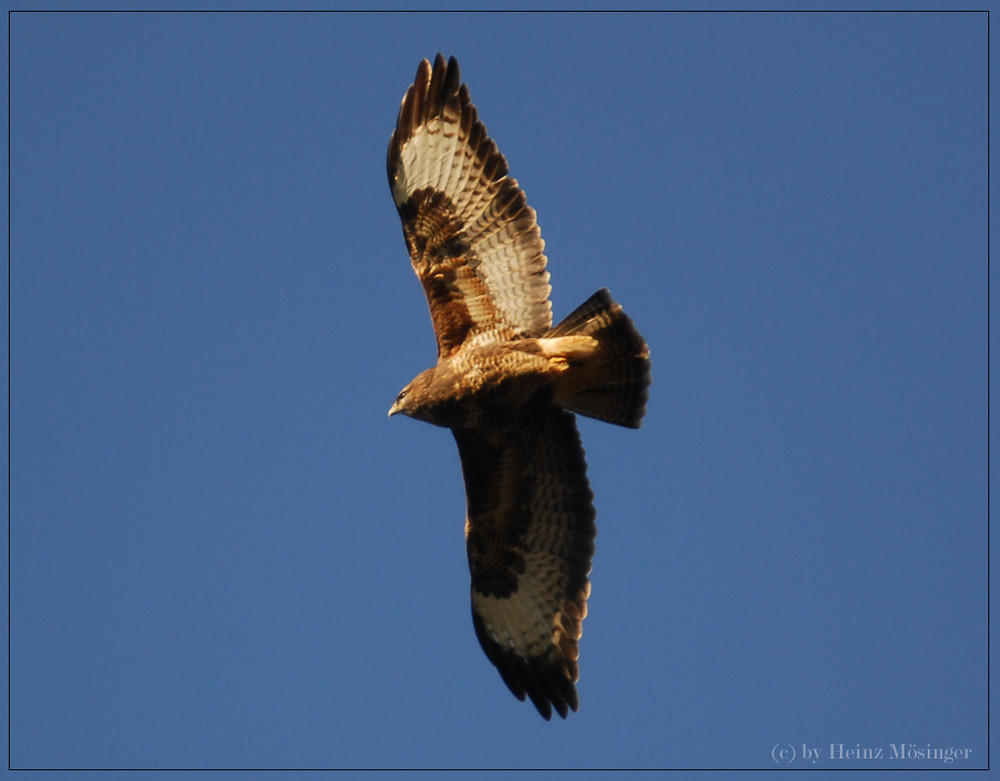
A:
432, 397
412, 399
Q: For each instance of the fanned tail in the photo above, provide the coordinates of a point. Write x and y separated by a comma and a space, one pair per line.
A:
619, 376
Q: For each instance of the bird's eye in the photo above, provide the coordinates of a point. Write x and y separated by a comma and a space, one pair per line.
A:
401, 396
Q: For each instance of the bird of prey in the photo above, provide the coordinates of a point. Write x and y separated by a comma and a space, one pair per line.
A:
507, 384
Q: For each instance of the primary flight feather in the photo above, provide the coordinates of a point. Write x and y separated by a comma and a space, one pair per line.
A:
507, 384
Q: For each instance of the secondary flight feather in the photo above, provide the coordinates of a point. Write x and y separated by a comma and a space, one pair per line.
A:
507, 384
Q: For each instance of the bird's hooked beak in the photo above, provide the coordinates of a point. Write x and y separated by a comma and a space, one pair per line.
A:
397, 405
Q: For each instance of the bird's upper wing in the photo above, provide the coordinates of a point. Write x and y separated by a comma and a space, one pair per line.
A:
472, 238
530, 540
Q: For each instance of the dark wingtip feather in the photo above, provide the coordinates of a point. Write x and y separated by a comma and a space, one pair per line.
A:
544, 683
453, 76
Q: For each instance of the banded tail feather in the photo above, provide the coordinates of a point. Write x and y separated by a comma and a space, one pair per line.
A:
621, 377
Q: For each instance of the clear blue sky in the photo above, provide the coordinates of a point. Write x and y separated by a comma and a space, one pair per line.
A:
225, 555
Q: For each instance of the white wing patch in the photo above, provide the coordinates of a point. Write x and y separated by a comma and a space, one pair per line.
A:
531, 622
451, 153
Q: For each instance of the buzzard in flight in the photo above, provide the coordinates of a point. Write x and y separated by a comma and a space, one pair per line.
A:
507, 384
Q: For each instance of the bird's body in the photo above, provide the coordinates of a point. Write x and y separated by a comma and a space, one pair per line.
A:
506, 383
468, 389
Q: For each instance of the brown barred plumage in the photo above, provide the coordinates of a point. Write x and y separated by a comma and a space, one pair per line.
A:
506, 383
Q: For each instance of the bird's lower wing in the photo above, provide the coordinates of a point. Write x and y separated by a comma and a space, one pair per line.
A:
530, 540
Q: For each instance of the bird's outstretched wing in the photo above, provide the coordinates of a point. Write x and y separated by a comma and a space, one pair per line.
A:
472, 238
530, 539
